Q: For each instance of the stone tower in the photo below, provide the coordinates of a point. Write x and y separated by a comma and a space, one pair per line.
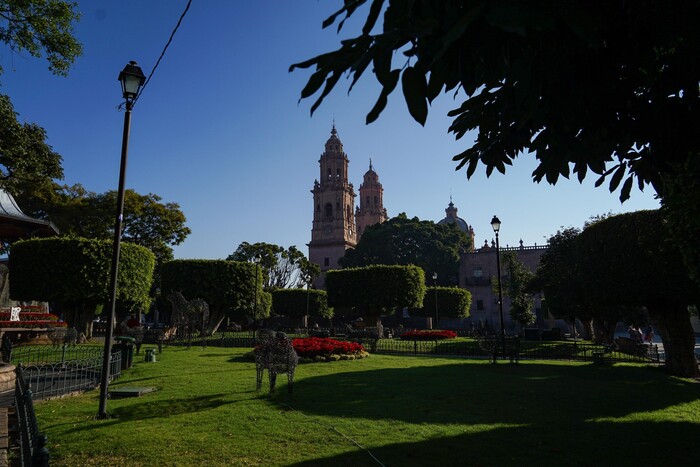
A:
333, 230
371, 210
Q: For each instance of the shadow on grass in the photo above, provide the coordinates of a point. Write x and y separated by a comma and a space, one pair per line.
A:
161, 409
514, 414
619, 444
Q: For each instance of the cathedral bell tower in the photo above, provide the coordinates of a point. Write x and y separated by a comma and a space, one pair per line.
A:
371, 210
333, 229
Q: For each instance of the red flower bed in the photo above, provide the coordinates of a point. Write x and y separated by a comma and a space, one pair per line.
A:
311, 347
30, 319
428, 335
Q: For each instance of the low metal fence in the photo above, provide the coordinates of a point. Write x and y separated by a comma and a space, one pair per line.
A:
46, 354
70, 376
480, 348
33, 443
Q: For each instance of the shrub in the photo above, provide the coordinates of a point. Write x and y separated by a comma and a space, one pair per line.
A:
324, 348
453, 302
428, 335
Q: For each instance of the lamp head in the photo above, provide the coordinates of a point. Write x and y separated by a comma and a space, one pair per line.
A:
496, 224
435, 276
132, 78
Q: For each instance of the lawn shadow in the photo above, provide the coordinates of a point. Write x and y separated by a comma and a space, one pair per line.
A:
510, 407
148, 409
595, 444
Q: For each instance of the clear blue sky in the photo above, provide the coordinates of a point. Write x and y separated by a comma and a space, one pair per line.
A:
219, 129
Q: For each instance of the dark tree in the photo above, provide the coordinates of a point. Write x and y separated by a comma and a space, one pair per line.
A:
404, 241
631, 262
606, 86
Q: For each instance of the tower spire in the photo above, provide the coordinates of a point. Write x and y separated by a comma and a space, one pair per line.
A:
370, 163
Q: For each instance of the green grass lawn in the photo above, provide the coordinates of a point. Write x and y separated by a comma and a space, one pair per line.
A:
404, 411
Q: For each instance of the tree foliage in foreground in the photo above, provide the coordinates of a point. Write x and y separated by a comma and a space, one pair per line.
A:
75, 273
403, 241
607, 86
41, 26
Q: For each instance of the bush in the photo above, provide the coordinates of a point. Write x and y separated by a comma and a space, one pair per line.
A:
427, 335
292, 303
453, 302
325, 348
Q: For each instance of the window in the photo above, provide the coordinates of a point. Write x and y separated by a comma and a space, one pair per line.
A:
337, 174
479, 305
326, 261
318, 208
478, 272
330, 174
329, 210
375, 201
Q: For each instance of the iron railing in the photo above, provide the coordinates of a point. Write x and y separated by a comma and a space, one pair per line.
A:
46, 354
33, 443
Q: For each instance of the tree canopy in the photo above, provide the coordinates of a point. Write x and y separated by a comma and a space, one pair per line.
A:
25, 157
403, 241
41, 26
281, 267
76, 211
517, 286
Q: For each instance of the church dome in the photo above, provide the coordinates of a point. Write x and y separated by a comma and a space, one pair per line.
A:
334, 144
452, 218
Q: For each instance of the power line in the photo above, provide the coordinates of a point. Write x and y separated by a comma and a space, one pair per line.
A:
163, 52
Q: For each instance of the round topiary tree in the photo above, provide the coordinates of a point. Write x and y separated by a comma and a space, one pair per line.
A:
224, 285
74, 273
630, 261
453, 302
296, 303
373, 288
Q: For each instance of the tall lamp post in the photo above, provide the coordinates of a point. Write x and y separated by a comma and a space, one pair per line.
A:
131, 78
256, 260
496, 225
437, 317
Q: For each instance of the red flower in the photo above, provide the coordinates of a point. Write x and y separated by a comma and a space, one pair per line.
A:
428, 335
311, 347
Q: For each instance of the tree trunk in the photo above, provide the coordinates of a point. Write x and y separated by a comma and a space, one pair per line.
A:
673, 324
587, 330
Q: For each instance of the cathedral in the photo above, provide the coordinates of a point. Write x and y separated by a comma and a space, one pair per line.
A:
337, 223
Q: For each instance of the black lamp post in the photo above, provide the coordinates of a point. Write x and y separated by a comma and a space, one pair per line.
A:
496, 225
308, 287
256, 260
131, 78
437, 317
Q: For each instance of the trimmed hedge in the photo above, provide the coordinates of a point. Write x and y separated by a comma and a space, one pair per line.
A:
224, 285
453, 302
292, 303
376, 286
78, 270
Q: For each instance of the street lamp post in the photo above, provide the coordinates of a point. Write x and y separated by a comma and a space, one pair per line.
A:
437, 317
131, 78
496, 225
308, 287
256, 260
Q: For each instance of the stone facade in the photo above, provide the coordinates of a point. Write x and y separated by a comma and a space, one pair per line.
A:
371, 210
476, 268
334, 227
